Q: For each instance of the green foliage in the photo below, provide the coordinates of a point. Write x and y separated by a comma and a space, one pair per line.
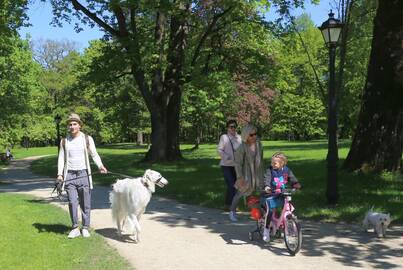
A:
298, 117
206, 101
12, 16
20, 91
232, 69
175, 43
298, 111
229, 78
102, 73
37, 232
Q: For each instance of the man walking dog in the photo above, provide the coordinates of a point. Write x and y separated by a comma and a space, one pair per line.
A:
75, 172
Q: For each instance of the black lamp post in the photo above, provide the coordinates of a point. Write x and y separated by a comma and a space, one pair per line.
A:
331, 30
58, 119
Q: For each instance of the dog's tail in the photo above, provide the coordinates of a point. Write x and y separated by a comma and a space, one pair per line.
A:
113, 202
119, 186
115, 198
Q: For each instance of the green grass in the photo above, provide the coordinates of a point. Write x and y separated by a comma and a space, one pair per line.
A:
198, 179
20, 152
34, 236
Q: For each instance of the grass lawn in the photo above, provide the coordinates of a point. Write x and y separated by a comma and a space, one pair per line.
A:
198, 179
34, 236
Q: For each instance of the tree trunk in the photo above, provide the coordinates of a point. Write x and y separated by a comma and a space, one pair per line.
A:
172, 150
378, 141
157, 151
165, 131
139, 138
167, 94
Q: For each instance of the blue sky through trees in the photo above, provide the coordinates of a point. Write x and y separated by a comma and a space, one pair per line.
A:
40, 15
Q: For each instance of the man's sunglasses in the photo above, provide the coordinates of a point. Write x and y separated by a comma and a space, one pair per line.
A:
252, 134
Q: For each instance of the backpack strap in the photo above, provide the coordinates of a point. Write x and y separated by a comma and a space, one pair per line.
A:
87, 141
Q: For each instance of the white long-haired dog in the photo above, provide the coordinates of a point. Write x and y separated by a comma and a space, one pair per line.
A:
379, 221
130, 197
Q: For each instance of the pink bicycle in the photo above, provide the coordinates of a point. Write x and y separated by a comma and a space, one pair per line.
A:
284, 223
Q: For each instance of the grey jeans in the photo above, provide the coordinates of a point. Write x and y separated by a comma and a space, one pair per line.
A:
79, 193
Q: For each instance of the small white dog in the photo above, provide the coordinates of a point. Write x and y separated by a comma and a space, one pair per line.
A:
378, 221
130, 197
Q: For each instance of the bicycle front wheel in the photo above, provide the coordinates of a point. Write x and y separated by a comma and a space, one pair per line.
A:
292, 235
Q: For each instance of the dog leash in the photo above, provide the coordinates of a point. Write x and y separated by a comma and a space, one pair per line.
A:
109, 172
58, 185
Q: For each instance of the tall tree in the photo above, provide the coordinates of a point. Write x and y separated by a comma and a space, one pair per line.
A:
378, 139
353, 62
158, 61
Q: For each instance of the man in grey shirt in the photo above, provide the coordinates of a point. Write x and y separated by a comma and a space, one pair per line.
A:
75, 172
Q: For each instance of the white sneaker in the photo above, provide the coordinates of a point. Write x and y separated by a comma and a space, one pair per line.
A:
86, 233
266, 235
74, 233
232, 216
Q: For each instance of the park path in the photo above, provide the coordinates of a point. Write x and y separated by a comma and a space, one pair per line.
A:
178, 236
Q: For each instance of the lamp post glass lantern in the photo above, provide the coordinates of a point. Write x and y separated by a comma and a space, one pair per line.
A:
331, 30
58, 119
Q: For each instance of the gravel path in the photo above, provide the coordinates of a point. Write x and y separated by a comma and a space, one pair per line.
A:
178, 236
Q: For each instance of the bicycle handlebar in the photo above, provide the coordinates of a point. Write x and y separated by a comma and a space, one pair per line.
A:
284, 192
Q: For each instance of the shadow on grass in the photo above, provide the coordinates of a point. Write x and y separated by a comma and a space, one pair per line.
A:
46, 201
51, 228
124, 146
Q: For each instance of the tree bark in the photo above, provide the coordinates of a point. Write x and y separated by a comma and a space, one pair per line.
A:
378, 141
139, 139
173, 150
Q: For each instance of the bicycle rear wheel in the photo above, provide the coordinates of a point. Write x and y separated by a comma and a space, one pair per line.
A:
292, 235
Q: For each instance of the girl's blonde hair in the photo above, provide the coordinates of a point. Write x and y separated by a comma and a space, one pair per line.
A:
281, 156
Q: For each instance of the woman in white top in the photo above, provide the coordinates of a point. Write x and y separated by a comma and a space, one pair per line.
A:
229, 142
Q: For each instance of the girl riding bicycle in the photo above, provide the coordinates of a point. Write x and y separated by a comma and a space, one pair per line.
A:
276, 178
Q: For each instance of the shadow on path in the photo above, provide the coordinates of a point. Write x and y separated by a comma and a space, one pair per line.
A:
112, 233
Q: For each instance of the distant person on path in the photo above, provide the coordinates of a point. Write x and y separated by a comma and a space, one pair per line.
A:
276, 178
9, 156
229, 142
248, 167
75, 172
